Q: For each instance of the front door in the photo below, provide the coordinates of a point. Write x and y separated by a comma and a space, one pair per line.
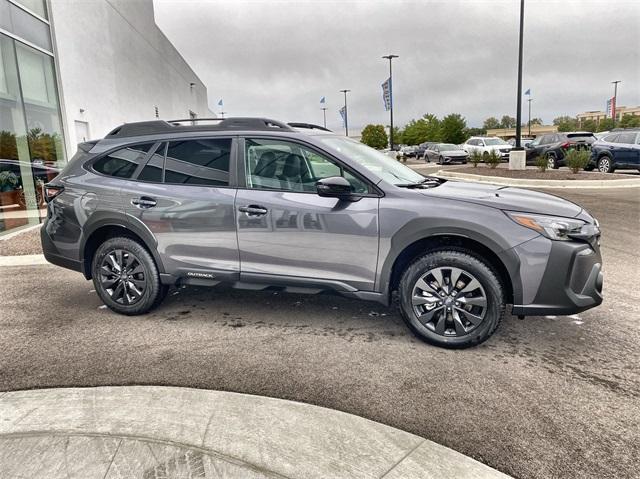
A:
289, 234
184, 198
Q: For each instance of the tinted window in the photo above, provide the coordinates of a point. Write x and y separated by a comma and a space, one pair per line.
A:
198, 162
122, 163
152, 171
281, 165
628, 138
610, 138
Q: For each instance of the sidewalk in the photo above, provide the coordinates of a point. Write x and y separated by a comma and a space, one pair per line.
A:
167, 432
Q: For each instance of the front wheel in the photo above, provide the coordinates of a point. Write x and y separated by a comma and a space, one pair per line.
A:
552, 162
126, 277
451, 299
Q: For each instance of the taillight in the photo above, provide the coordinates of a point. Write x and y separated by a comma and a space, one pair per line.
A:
51, 191
566, 145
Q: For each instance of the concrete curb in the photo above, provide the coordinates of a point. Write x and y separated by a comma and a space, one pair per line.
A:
23, 260
138, 431
524, 183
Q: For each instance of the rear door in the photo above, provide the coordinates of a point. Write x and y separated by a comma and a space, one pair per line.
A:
184, 196
289, 234
624, 151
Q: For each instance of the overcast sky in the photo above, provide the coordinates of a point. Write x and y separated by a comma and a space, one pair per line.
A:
278, 58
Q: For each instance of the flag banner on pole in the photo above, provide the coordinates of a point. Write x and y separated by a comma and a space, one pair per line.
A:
343, 114
528, 92
386, 94
611, 107
220, 102
322, 100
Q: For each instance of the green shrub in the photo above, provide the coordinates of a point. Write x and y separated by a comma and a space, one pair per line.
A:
493, 159
475, 158
577, 160
542, 163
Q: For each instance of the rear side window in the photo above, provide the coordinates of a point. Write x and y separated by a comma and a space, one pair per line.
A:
122, 163
198, 162
152, 171
628, 138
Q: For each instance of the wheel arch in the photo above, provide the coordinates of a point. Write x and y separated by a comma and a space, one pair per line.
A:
449, 241
102, 231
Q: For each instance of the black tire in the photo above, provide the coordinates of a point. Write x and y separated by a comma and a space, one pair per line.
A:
605, 164
441, 161
490, 289
143, 277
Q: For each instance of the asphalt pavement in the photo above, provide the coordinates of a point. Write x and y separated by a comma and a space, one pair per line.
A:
544, 397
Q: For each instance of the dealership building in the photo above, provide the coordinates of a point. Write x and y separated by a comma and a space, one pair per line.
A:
71, 70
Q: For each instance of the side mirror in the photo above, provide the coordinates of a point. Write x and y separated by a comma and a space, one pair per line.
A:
334, 187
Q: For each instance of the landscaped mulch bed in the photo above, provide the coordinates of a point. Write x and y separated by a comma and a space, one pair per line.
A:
535, 174
24, 243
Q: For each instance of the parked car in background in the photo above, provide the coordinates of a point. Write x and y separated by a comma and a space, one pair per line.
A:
11, 171
524, 141
422, 148
485, 145
407, 152
617, 150
446, 153
553, 146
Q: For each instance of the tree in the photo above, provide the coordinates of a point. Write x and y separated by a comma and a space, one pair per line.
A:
566, 123
629, 121
537, 121
374, 136
469, 132
605, 124
398, 136
453, 128
424, 129
589, 125
507, 122
491, 123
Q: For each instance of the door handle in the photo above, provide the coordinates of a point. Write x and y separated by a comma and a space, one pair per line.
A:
143, 202
253, 210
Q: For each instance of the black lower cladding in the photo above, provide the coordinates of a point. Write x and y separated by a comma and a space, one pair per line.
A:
53, 256
580, 288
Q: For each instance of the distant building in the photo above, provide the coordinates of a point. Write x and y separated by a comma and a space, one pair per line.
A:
71, 71
598, 115
536, 130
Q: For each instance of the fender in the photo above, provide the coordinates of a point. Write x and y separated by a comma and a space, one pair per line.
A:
101, 219
433, 228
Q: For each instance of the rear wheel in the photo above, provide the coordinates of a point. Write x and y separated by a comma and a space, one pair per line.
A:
126, 277
605, 165
451, 299
552, 162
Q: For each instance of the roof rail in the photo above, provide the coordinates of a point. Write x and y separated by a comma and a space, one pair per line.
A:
310, 126
174, 126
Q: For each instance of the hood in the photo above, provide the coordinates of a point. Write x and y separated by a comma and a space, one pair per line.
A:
500, 147
505, 198
454, 152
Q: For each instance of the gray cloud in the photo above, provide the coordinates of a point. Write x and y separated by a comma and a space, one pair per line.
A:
278, 58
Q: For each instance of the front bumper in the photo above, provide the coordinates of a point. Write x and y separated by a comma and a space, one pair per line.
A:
571, 282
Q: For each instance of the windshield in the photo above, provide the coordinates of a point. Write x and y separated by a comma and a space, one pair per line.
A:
494, 141
449, 147
382, 165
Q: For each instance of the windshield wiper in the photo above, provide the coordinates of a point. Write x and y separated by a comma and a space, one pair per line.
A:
428, 182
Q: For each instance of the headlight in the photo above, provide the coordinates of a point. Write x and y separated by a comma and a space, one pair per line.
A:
553, 227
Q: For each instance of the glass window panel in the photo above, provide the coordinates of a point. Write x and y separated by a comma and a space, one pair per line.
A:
36, 6
198, 162
26, 26
152, 171
123, 162
281, 165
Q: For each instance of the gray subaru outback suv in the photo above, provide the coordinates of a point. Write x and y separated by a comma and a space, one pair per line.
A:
260, 204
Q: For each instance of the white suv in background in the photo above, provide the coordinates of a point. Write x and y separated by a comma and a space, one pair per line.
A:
486, 144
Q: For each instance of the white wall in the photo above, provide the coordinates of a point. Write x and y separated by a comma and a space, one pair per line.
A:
116, 65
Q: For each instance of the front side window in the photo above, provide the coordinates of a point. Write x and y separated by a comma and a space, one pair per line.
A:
198, 162
283, 165
122, 163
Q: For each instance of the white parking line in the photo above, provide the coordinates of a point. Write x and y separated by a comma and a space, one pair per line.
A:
23, 260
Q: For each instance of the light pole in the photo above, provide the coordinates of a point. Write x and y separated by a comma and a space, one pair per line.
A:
615, 100
519, 107
530, 116
346, 123
390, 58
324, 115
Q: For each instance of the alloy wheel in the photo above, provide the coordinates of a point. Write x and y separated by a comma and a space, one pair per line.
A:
449, 301
551, 162
604, 165
123, 277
